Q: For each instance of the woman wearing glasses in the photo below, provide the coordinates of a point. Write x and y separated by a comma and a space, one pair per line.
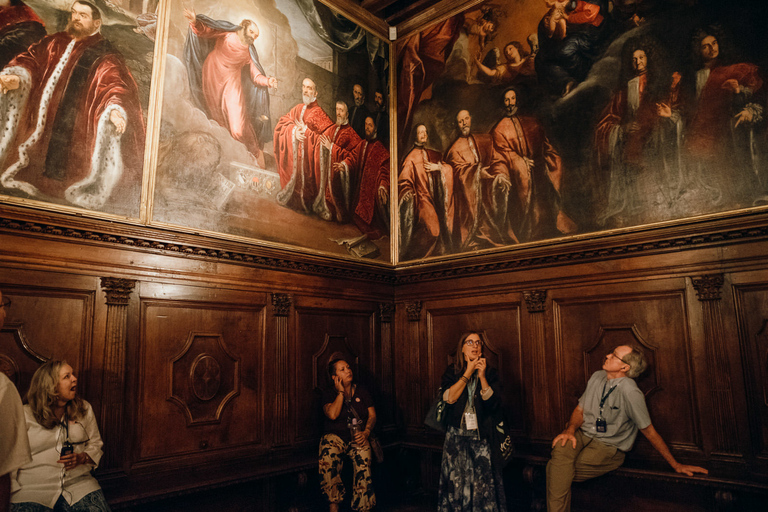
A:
469, 480
66, 446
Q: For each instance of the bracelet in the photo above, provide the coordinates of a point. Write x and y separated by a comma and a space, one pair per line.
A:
465, 379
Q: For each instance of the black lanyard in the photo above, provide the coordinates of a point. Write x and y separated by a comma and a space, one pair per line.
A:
605, 397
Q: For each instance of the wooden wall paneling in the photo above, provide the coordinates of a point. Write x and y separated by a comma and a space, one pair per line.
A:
411, 372
51, 316
384, 369
201, 367
750, 292
499, 316
591, 321
708, 290
542, 417
323, 327
117, 293
281, 433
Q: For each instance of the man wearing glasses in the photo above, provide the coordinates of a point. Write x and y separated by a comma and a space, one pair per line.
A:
603, 427
14, 444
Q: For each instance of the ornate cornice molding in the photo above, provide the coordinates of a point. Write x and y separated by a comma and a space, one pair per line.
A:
186, 249
145, 238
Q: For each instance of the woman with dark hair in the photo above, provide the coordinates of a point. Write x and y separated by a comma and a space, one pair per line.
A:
66, 446
349, 420
469, 479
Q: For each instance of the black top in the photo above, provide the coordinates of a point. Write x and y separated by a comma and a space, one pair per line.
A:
361, 401
485, 409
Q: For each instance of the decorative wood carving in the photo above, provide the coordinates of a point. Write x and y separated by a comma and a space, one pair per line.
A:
204, 378
611, 336
413, 309
281, 308
708, 289
281, 304
386, 310
536, 301
117, 292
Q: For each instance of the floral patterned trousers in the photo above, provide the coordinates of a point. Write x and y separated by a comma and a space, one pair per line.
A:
332, 451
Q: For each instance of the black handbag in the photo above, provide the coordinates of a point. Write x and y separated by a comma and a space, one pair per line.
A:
501, 441
437, 417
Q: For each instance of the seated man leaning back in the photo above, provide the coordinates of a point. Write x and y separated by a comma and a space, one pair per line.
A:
603, 427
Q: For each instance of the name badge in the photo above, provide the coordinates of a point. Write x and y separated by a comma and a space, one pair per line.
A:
601, 425
470, 419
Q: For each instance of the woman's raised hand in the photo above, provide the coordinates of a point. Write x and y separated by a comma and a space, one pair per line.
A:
338, 384
480, 365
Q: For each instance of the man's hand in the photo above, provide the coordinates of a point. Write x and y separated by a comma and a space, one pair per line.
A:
300, 131
383, 195
118, 121
690, 470
563, 438
272, 82
732, 84
745, 116
326, 142
9, 83
429, 166
338, 167
504, 184
190, 15
664, 110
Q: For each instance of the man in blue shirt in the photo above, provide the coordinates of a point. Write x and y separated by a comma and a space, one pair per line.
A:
603, 427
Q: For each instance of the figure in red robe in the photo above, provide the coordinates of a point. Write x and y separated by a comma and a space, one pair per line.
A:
335, 184
297, 136
637, 142
425, 190
20, 27
720, 137
522, 151
72, 122
370, 163
227, 80
470, 157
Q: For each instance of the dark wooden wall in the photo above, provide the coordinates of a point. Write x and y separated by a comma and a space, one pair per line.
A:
203, 358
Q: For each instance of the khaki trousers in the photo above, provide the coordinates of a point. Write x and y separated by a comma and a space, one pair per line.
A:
591, 458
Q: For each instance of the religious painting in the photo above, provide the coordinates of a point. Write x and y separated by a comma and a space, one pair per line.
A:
536, 120
74, 99
275, 127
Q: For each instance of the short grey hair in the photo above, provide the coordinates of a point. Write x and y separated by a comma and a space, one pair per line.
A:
636, 361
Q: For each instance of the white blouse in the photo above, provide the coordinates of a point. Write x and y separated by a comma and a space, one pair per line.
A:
43, 480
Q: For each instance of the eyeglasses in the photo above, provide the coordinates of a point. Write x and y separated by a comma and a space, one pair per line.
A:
474, 343
620, 359
6, 303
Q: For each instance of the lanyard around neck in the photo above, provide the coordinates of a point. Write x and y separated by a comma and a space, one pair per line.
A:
605, 395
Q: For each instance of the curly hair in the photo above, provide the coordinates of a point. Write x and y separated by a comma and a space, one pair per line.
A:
42, 395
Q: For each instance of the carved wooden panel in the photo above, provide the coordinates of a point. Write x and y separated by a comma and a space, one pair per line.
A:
500, 322
752, 314
589, 324
45, 323
325, 329
201, 381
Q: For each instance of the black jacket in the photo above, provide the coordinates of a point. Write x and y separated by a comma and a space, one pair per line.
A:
486, 409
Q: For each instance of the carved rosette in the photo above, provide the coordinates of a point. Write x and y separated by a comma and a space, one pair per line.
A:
535, 301
413, 309
281, 304
386, 310
708, 287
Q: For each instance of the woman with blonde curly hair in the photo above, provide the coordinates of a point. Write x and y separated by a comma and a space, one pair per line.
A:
66, 446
